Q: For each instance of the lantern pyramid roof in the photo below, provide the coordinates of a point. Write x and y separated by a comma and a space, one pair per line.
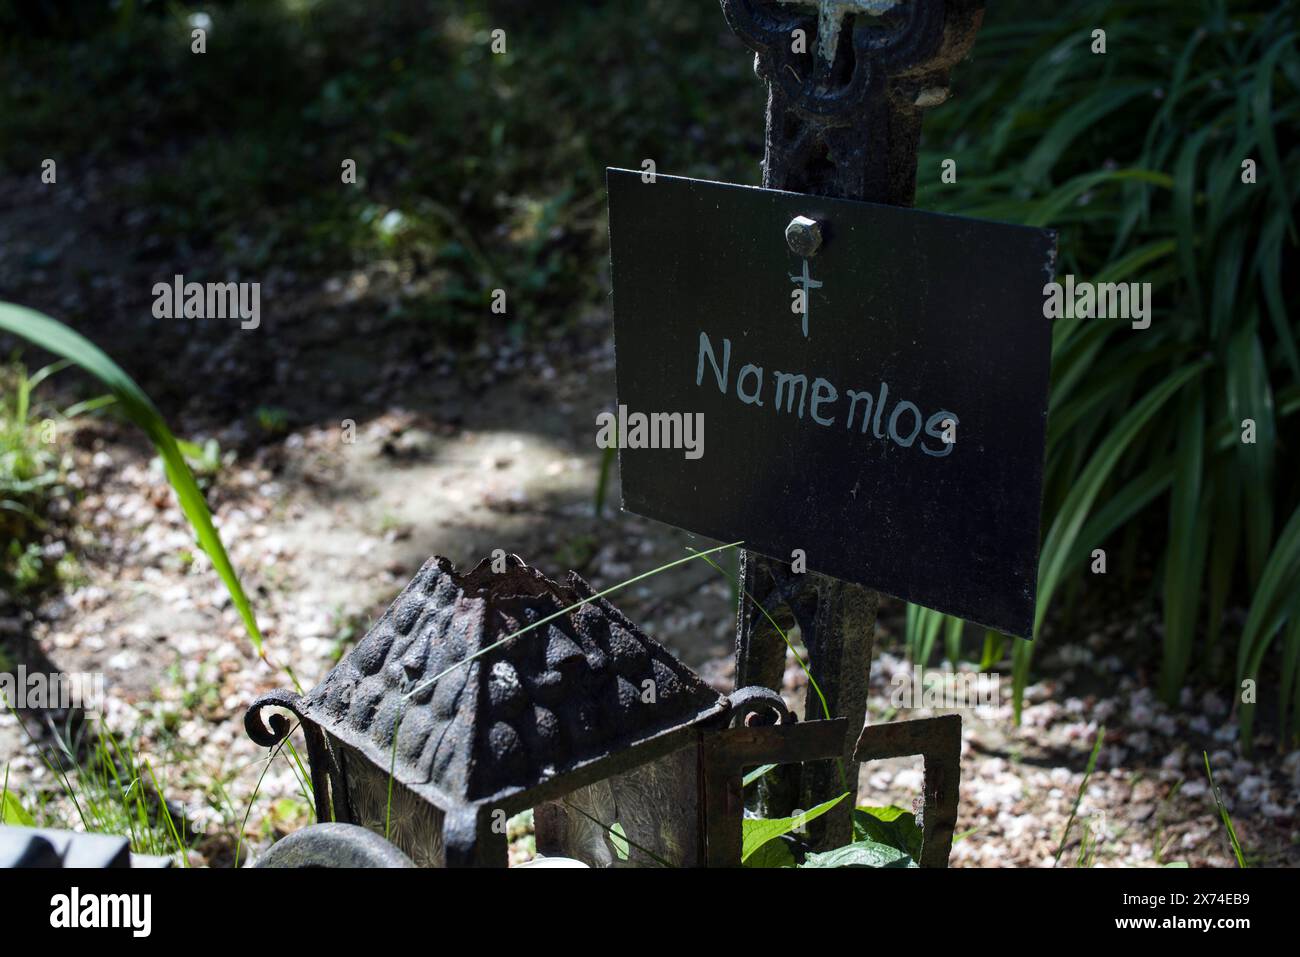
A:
494, 684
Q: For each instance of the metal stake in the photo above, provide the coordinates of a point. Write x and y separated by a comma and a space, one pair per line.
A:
843, 120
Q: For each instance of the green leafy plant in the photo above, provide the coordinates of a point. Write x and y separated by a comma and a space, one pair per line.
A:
1136, 157
112, 792
31, 477
860, 854
757, 831
53, 336
533, 188
618, 838
891, 826
882, 837
11, 809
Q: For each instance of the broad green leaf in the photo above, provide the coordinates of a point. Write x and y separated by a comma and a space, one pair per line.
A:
618, 838
13, 812
775, 853
757, 831
861, 854
892, 826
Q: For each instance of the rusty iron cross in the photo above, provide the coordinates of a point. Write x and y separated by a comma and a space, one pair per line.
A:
850, 130
830, 19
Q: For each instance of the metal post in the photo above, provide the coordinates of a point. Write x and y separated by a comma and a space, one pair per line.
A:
847, 80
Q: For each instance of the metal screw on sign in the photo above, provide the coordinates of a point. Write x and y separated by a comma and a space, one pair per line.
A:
804, 236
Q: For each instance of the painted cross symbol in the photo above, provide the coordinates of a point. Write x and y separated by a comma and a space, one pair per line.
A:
830, 18
808, 282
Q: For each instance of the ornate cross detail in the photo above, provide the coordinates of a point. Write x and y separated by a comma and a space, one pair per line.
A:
846, 122
830, 18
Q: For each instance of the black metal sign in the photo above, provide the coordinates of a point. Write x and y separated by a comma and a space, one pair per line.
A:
860, 388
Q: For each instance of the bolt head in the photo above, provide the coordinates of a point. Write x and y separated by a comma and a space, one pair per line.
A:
804, 236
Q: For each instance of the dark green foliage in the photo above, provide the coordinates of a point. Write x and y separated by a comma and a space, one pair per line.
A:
476, 171
1136, 156
32, 476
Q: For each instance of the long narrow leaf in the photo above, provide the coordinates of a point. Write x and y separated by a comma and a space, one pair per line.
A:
53, 336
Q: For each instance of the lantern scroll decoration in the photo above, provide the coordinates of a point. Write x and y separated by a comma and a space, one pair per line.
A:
478, 696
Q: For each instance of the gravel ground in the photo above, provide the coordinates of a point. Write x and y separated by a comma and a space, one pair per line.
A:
180, 670
457, 454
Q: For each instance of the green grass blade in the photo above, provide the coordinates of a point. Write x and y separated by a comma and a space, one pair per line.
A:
1262, 107
1078, 797
1223, 814
560, 614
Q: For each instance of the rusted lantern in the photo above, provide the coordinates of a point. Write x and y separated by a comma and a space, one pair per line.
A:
478, 696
